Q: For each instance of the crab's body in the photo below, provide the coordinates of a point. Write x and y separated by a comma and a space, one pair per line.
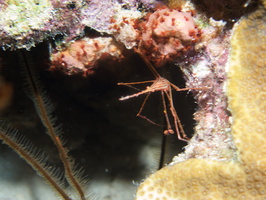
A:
165, 87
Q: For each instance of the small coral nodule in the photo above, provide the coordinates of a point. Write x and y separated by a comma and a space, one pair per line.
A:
166, 33
82, 55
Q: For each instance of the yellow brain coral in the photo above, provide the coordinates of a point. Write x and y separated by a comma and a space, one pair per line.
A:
247, 87
245, 176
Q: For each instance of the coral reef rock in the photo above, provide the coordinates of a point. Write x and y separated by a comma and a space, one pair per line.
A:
26, 23
23, 24
205, 68
242, 177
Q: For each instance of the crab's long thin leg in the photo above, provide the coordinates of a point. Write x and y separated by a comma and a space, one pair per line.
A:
155, 73
169, 129
135, 83
178, 125
143, 104
185, 89
141, 109
134, 95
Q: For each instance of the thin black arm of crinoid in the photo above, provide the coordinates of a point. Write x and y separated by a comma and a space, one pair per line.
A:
44, 109
34, 157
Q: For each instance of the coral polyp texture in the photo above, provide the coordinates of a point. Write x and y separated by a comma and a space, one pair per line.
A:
242, 176
247, 87
167, 32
